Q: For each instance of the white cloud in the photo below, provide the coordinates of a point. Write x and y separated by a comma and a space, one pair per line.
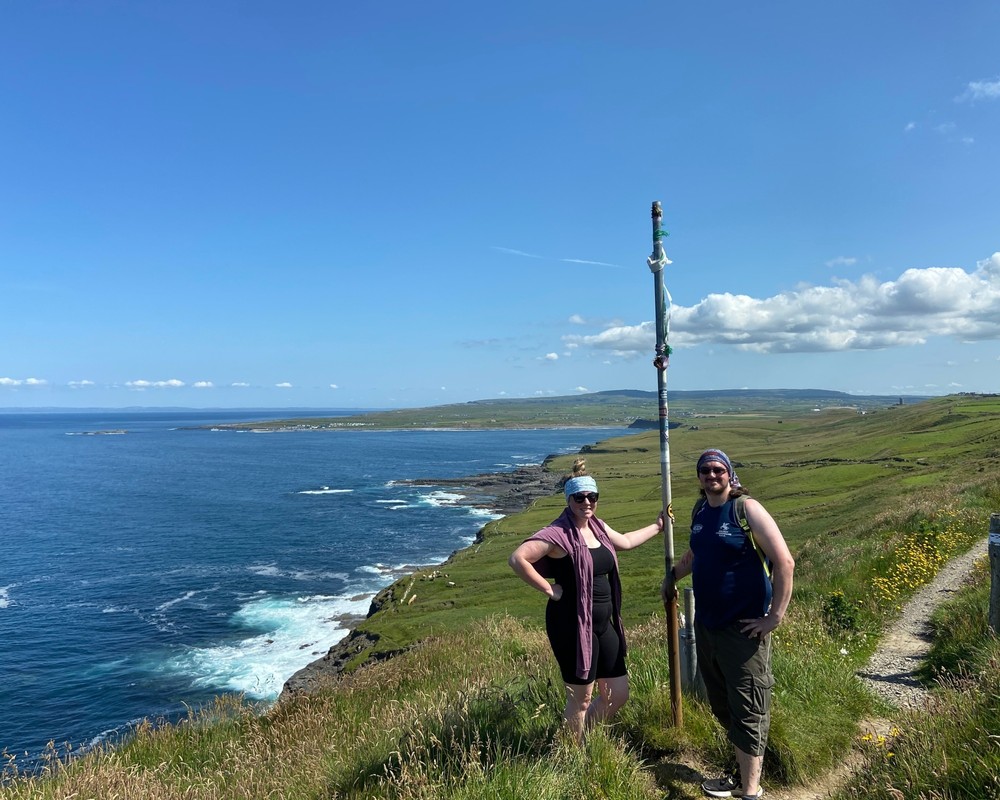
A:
240, 385
622, 340
859, 315
285, 385
551, 357
79, 384
142, 385
910, 126
334, 386
980, 90
203, 385
576, 319
841, 261
583, 389
23, 382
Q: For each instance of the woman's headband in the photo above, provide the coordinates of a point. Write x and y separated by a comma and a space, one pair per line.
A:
581, 483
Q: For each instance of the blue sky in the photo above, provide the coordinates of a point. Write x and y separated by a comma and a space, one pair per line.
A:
328, 204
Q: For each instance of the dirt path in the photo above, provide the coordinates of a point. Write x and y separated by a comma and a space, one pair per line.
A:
891, 671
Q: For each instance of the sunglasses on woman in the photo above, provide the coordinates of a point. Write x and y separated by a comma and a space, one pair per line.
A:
579, 497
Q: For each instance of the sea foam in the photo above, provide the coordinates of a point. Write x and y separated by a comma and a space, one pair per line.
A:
287, 635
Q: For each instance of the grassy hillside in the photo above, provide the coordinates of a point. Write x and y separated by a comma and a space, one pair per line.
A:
871, 506
600, 409
828, 477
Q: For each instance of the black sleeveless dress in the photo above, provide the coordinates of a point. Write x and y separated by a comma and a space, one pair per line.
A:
608, 656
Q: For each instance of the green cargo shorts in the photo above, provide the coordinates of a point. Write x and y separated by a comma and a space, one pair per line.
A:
737, 674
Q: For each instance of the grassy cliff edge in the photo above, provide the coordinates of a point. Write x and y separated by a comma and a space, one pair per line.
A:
871, 504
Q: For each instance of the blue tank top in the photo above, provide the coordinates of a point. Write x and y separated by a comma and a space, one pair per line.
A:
728, 578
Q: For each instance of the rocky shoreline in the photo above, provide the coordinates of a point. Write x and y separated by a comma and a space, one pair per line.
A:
504, 492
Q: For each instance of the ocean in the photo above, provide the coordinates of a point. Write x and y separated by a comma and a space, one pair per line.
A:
148, 568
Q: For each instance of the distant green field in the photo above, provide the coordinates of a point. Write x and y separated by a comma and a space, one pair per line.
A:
598, 409
822, 474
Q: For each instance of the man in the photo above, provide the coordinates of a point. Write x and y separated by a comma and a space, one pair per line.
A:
737, 605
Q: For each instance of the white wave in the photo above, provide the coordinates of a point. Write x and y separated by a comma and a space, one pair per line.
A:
154, 619
314, 576
241, 596
5, 601
395, 570
289, 635
265, 570
441, 498
400, 500
485, 513
376, 569
325, 490
181, 599
275, 571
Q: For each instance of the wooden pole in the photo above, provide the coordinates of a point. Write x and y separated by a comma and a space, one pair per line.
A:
994, 548
657, 261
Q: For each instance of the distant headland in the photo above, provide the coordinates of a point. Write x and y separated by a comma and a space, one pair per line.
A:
615, 408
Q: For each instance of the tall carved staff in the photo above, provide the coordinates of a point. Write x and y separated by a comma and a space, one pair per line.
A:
657, 261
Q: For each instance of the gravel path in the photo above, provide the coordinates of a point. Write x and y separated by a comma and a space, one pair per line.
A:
891, 671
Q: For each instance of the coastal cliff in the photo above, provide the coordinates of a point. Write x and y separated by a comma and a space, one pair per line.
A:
504, 492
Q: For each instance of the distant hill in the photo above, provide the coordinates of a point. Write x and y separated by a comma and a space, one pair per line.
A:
620, 407
744, 396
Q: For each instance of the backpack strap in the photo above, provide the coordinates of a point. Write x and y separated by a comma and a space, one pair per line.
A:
741, 517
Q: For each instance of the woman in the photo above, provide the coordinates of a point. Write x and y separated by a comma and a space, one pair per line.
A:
583, 615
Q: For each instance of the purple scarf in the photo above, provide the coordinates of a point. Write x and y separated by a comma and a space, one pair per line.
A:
564, 533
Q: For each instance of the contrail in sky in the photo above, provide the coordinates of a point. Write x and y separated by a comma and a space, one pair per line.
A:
514, 252
596, 263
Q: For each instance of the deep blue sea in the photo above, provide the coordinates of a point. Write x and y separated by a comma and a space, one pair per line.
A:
149, 569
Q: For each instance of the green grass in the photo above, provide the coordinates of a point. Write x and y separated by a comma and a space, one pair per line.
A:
832, 479
612, 408
871, 505
952, 751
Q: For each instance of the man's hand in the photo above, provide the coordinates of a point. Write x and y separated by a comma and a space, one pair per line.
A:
761, 626
668, 589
